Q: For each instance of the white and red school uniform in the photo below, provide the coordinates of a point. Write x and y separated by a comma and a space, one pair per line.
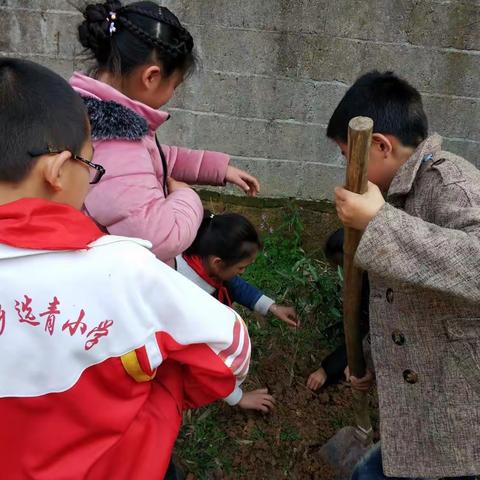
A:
103, 347
191, 267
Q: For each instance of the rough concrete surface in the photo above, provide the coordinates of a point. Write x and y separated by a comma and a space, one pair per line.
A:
272, 72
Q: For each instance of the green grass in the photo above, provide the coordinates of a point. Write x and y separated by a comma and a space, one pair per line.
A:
201, 442
257, 434
289, 434
285, 272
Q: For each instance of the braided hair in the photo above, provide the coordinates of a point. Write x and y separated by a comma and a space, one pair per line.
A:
122, 38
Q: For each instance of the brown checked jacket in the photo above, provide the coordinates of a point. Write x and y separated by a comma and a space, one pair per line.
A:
422, 254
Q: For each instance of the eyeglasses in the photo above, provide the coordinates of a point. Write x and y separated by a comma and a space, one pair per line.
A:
96, 172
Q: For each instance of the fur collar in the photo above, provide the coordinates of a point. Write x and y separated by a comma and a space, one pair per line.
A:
112, 121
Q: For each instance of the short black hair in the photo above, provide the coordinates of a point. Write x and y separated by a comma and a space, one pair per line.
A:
122, 38
38, 111
395, 107
334, 247
229, 236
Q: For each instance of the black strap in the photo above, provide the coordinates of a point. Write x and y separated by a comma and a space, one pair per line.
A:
164, 165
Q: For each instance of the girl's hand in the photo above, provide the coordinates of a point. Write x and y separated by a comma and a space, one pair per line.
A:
356, 210
257, 400
317, 379
174, 185
243, 180
286, 314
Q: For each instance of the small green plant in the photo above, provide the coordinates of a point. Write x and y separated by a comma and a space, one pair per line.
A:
286, 272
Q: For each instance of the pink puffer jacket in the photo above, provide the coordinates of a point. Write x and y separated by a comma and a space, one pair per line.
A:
130, 199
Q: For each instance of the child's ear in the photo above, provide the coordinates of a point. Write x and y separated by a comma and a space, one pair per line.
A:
382, 143
54, 169
217, 262
151, 76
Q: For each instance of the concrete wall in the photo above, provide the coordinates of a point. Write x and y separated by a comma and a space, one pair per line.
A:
273, 71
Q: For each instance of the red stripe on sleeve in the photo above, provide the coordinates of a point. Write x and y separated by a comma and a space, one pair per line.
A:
243, 354
224, 354
243, 372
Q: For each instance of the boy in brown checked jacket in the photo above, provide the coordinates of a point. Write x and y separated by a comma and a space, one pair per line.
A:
421, 248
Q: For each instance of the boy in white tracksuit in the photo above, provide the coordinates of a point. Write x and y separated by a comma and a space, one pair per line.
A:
103, 346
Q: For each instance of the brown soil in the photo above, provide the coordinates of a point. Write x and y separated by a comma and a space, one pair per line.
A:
293, 434
286, 443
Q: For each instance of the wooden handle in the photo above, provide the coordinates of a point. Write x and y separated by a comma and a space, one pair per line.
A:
359, 141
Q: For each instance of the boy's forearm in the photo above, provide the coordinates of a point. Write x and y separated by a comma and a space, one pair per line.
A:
409, 250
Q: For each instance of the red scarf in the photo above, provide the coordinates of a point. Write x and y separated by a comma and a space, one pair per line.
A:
39, 224
196, 263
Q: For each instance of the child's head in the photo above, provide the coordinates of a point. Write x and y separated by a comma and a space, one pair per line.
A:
141, 48
43, 126
227, 244
334, 247
400, 123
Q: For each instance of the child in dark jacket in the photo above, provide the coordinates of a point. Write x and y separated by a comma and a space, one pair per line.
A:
334, 366
224, 247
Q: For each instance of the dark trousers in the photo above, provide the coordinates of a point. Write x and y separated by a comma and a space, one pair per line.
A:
171, 472
370, 468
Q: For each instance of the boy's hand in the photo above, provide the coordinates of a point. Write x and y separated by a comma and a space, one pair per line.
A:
317, 379
356, 210
363, 384
286, 314
174, 185
245, 181
257, 400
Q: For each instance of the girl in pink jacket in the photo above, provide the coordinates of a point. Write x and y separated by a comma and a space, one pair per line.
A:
143, 53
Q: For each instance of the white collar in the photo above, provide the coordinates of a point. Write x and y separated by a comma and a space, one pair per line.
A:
188, 272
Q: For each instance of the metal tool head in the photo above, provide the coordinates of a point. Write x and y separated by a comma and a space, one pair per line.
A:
344, 450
